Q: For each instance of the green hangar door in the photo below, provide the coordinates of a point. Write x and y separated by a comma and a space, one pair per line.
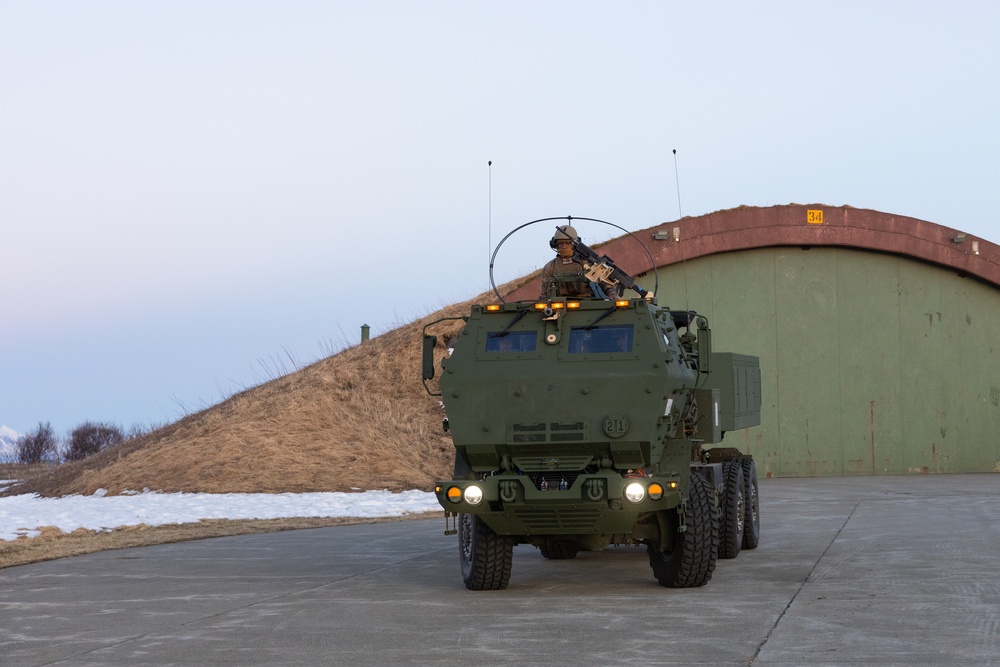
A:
871, 363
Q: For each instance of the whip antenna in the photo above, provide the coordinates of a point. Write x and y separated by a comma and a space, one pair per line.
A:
489, 212
677, 179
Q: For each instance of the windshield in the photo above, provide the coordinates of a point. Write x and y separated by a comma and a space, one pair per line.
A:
511, 341
611, 338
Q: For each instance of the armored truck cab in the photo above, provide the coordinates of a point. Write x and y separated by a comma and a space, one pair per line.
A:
581, 423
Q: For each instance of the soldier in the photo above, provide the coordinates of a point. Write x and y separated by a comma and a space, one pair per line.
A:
566, 276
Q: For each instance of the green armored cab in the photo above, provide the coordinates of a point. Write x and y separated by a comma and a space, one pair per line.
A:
586, 419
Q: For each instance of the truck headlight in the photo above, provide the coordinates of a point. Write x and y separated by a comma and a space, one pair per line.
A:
635, 492
473, 494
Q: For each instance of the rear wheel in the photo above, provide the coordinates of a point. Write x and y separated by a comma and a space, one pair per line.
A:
691, 561
559, 550
751, 529
485, 557
733, 511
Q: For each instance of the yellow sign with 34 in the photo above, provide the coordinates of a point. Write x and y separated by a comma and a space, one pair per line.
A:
814, 217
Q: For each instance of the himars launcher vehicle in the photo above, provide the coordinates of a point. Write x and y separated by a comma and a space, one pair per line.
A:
581, 422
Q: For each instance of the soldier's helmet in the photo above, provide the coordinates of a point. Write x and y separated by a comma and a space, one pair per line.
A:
564, 233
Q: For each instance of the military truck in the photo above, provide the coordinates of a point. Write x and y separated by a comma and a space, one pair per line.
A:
582, 422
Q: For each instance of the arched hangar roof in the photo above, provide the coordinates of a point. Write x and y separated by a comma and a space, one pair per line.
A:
748, 227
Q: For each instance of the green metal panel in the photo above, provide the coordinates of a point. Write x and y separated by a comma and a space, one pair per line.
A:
809, 399
870, 363
739, 375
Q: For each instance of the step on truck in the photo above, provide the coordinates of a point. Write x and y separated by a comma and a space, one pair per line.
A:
581, 422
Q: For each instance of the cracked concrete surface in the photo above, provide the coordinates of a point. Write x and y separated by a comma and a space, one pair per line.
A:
850, 571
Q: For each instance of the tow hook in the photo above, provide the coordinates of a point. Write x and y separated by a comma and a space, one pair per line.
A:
508, 491
450, 523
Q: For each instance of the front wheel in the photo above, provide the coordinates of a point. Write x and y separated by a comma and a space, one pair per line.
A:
485, 557
691, 561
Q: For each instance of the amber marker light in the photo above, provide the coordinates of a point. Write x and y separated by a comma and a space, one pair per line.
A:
454, 494
673, 485
493, 307
621, 303
540, 306
572, 305
655, 491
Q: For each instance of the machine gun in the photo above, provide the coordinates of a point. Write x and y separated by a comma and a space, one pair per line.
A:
601, 269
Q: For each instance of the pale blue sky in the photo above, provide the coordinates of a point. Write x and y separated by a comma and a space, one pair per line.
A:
190, 191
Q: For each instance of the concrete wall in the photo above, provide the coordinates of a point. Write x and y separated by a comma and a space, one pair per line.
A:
872, 363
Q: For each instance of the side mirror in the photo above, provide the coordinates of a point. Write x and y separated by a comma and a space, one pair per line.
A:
429, 343
704, 347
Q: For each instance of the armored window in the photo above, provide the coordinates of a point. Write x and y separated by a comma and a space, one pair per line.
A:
511, 341
592, 340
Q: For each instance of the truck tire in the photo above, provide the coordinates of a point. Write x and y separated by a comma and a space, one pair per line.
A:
732, 514
559, 550
485, 556
751, 525
692, 560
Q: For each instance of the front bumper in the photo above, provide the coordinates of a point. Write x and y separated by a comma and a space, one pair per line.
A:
591, 504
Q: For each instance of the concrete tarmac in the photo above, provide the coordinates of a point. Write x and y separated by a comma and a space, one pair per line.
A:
850, 571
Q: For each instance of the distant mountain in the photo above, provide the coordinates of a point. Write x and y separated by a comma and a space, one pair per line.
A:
8, 444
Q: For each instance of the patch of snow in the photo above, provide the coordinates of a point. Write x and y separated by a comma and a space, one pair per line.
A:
23, 515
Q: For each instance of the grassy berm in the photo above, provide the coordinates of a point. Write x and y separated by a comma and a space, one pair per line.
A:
359, 419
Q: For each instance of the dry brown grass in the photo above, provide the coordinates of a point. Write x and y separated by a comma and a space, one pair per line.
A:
23, 471
359, 419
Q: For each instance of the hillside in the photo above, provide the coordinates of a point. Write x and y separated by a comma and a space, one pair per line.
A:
359, 419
